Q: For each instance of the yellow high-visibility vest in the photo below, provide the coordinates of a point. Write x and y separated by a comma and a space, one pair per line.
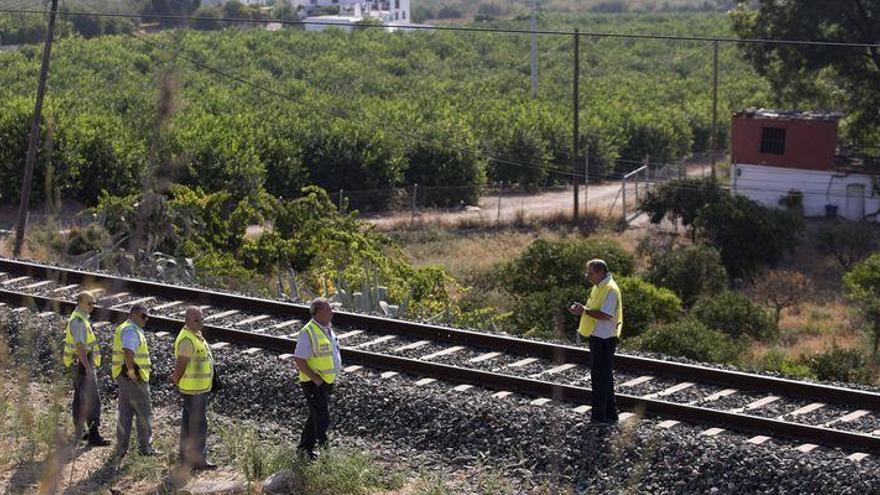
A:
69, 357
199, 371
141, 355
321, 360
597, 298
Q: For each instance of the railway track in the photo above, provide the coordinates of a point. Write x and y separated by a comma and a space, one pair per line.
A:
808, 414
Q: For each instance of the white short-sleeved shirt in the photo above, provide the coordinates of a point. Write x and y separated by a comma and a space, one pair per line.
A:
131, 338
78, 331
304, 345
605, 329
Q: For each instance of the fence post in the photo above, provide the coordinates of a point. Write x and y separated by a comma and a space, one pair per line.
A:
415, 195
500, 192
340, 200
623, 196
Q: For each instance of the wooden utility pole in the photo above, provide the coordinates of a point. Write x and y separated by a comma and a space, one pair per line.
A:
575, 166
714, 104
534, 59
34, 138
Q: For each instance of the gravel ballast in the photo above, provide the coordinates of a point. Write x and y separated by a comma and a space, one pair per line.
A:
531, 444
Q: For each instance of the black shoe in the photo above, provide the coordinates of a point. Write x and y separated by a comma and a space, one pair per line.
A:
98, 442
150, 452
204, 466
307, 454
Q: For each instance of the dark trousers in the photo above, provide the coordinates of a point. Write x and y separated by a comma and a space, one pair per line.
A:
315, 431
194, 429
133, 402
86, 407
602, 376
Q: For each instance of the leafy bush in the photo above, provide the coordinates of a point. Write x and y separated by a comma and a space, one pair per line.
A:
748, 235
691, 339
780, 289
849, 242
645, 305
775, 360
735, 315
547, 265
689, 272
862, 284
841, 365
682, 200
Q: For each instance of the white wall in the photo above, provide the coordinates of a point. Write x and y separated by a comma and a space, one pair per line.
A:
853, 194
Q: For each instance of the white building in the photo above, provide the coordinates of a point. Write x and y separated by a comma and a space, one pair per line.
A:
779, 154
395, 13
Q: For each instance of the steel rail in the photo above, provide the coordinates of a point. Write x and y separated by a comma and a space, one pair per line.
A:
528, 386
556, 352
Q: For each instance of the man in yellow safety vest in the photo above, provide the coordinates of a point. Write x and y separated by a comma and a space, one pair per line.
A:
131, 368
193, 374
318, 361
601, 321
82, 353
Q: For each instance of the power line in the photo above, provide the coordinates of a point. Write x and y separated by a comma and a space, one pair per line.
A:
587, 34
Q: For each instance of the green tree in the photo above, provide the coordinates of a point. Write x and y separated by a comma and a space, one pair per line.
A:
689, 272
796, 71
645, 305
748, 236
690, 339
682, 200
735, 315
208, 18
862, 285
848, 242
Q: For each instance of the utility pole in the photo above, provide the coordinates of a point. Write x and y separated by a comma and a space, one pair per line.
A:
534, 26
586, 177
575, 118
714, 104
34, 137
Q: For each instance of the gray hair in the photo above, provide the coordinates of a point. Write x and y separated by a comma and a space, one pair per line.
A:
598, 265
85, 296
138, 308
317, 303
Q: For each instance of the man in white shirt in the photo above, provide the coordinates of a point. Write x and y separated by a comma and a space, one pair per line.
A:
318, 361
601, 321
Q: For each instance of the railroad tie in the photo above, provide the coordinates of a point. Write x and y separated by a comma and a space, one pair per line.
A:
636, 381
858, 457
711, 432
349, 334
444, 352
378, 340
219, 345
224, 314
389, 374
671, 390
582, 409
502, 395
540, 402
425, 381
414, 345
15, 280
669, 423
758, 440
352, 368
484, 357
462, 388
65, 288
253, 319
521, 363
806, 448
37, 285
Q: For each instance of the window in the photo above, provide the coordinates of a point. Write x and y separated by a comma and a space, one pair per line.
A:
403, 14
396, 4
773, 140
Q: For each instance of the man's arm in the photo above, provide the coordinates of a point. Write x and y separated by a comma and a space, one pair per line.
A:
179, 368
78, 330
599, 315
303, 366
129, 364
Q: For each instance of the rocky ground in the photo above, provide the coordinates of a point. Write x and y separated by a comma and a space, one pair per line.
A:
459, 437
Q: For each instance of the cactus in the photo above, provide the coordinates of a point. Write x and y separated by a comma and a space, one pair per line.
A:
371, 299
